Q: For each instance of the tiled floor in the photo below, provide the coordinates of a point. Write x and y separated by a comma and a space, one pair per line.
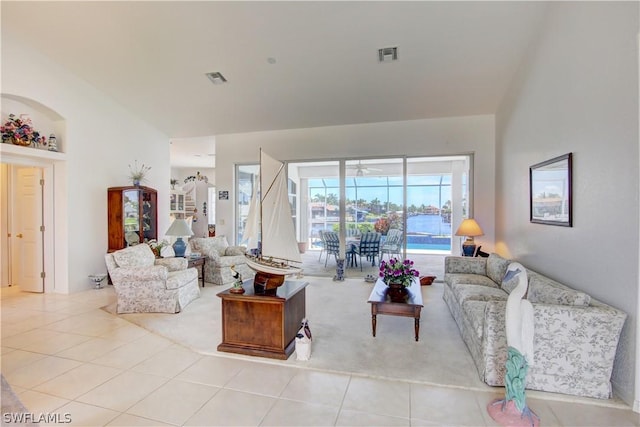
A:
62, 354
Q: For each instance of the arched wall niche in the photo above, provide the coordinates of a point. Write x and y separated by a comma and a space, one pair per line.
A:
45, 120
54, 165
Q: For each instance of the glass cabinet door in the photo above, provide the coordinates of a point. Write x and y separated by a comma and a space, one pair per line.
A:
148, 216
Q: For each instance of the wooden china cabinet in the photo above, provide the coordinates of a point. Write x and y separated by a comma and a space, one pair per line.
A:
132, 216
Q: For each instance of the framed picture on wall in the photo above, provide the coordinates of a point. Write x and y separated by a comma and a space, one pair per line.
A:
223, 195
550, 192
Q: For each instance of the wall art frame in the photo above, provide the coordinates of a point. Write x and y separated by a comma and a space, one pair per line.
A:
550, 198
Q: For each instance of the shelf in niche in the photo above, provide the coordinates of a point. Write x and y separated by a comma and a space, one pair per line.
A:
17, 150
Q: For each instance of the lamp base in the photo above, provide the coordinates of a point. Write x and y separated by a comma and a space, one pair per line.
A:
468, 247
179, 247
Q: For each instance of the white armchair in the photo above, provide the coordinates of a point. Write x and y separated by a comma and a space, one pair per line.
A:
144, 284
220, 257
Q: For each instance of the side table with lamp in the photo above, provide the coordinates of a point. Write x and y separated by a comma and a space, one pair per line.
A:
469, 228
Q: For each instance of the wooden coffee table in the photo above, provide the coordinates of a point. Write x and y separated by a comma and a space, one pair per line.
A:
380, 304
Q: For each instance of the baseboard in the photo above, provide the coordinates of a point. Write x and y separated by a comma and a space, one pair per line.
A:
627, 398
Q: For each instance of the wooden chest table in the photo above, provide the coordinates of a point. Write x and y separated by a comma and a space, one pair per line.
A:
262, 325
380, 304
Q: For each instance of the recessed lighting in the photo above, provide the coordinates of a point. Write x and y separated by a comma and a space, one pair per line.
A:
388, 54
216, 78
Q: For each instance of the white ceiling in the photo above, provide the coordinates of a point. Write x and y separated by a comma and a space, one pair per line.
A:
455, 58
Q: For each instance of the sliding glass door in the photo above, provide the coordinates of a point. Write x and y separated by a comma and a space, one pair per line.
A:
421, 196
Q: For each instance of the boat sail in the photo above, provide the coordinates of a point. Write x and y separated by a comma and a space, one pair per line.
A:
279, 246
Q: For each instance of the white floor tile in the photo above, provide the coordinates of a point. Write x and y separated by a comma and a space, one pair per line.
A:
260, 378
212, 370
292, 413
40, 371
174, 402
446, 405
232, 408
85, 415
38, 402
78, 381
365, 419
380, 397
128, 420
323, 388
123, 391
169, 362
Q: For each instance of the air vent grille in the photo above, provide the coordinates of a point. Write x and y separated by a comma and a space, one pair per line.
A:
216, 78
388, 54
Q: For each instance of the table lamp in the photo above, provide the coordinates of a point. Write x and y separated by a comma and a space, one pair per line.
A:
471, 229
179, 228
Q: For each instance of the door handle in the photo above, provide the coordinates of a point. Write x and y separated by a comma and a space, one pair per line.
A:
19, 236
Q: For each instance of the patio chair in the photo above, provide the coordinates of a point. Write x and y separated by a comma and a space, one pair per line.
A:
321, 243
331, 244
369, 247
393, 244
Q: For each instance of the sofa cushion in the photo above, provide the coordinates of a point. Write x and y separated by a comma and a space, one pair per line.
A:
465, 293
469, 279
511, 276
497, 267
546, 291
135, 256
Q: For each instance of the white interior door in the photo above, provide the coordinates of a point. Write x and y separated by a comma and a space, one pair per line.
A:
28, 233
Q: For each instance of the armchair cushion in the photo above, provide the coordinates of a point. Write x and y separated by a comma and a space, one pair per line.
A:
173, 264
176, 279
135, 256
235, 250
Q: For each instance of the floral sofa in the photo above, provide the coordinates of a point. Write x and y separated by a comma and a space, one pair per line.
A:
144, 284
575, 336
220, 257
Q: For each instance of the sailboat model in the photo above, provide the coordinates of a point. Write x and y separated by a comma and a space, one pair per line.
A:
279, 246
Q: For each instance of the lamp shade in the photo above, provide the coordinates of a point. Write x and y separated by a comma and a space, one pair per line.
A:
469, 228
179, 228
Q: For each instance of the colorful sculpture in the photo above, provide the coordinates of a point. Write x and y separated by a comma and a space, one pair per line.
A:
513, 409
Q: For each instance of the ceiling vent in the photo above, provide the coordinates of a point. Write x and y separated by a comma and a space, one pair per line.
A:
216, 78
388, 54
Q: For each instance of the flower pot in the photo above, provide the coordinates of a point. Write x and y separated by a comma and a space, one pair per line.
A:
302, 247
19, 141
397, 292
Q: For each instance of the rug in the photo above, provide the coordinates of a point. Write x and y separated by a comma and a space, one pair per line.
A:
11, 405
340, 320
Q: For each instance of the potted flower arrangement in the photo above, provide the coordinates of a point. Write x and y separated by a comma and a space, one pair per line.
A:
398, 275
156, 246
137, 174
19, 131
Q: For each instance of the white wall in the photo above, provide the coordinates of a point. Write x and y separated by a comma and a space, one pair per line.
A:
458, 135
578, 92
101, 139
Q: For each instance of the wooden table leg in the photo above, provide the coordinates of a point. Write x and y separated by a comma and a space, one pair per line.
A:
373, 324
417, 327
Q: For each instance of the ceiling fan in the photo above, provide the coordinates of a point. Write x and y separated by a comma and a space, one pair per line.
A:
363, 170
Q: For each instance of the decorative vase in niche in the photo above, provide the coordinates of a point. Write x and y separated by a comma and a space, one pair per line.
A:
53, 143
397, 292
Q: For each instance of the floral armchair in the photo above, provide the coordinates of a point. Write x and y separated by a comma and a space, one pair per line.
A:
220, 257
144, 284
